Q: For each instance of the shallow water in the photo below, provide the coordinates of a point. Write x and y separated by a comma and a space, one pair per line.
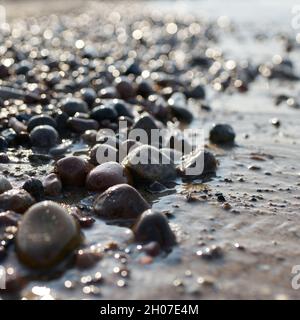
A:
260, 237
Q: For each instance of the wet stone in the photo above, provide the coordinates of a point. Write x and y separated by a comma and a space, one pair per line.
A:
46, 235
125, 88
52, 185
35, 188
198, 164
148, 163
102, 153
106, 175
120, 202
73, 105
81, 125
88, 95
222, 134
101, 113
154, 226
72, 171
146, 123
18, 200
5, 185
40, 120
44, 136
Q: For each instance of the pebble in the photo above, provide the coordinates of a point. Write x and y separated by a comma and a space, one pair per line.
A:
73, 105
146, 123
52, 185
44, 136
102, 153
18, 200
148, 163
101, 113
89, 95
154, 226
35, 188
125, 88
120, 202
222, 134
46, 235
40, 120
203, 159
72, 171
106, 175
81, 125
5, 185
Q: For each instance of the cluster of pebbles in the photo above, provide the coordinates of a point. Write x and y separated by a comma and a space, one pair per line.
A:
65, 84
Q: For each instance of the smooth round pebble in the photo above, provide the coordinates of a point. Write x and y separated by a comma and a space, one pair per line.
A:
148, 163
46, 235
154, 226
72, 171
40, 120
44, 136
222, 134
120, 202
106, 175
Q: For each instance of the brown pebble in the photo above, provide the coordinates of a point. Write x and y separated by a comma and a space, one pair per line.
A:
72, 171
106, 175
120, 201
52, 185
154, 226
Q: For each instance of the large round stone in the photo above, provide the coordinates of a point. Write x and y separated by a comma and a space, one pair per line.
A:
46, 235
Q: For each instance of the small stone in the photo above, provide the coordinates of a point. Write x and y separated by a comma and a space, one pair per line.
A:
226, 206
102, 153
148, 163
106, 175
73, 105
52, 185
125, 88
72, 171
154, 226
81, 125
275, 122
44, 136
146, 123
101, 113
35, 188
120, 202
88, 95
222, 134
5, 185
199, 163
17, 200
40, 120
46, 235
